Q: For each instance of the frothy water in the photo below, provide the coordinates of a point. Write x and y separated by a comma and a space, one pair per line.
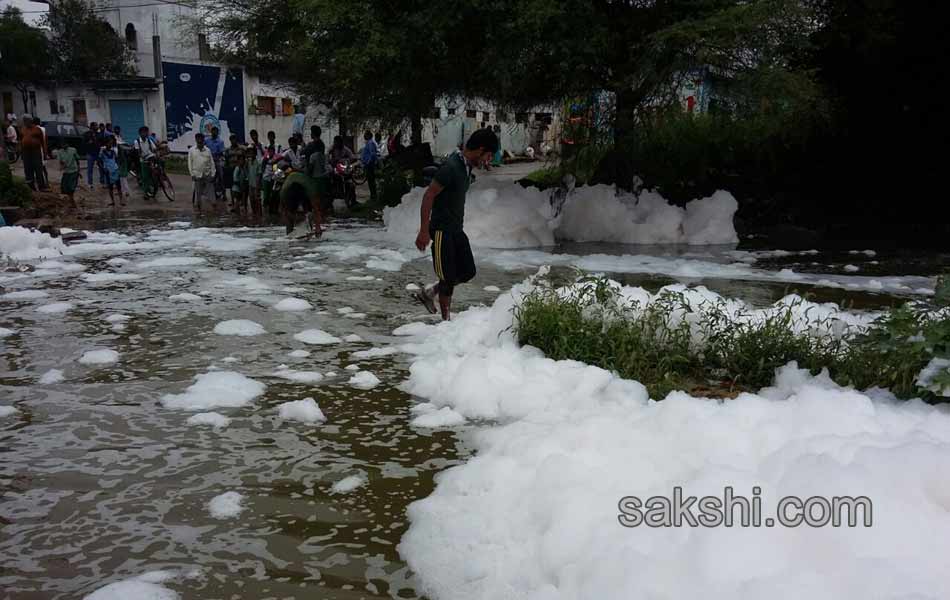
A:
102, 479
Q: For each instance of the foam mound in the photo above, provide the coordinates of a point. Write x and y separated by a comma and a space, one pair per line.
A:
506, 215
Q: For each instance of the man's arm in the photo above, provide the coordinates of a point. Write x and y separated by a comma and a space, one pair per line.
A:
422, 240
191, 164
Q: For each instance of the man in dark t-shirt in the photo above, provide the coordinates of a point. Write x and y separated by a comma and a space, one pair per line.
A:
315, 144
442, 216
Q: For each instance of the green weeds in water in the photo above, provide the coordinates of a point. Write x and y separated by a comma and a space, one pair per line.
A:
712, 349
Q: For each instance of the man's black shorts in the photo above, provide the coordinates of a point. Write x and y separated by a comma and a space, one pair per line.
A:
452, 257
296, 198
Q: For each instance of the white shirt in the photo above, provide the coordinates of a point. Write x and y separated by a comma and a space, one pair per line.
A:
200, 162
11, 134
295, 158
146, 149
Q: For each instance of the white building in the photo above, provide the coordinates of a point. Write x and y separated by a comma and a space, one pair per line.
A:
192, 94
189, 93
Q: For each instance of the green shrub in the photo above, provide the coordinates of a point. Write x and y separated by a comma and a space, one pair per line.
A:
13, 190
670, 343
394, 183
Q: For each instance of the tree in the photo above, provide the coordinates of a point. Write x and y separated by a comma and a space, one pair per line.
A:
380, 60
83, 46
24, 54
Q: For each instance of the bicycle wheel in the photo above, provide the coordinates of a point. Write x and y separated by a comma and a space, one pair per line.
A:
359, 174
167, 188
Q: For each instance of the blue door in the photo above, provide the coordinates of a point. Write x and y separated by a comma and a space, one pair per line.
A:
129, 115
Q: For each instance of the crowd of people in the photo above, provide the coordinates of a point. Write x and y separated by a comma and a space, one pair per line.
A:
103, 147
259, 179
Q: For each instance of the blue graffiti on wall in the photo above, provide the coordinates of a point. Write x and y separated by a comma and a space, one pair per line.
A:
198, 97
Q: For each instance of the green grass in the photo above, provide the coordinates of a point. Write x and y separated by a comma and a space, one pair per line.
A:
669, 344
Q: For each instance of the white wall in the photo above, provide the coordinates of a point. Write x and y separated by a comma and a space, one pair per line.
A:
179, 42
97, 104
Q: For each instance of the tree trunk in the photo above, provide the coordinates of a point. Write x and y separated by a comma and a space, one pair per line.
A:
24, 94
415, 123
618, 167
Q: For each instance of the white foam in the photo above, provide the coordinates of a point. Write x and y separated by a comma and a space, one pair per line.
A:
56, 265
305, 410
144, 587
443, 417
506, 215
99, 357
348, 484
534, 513
214, 419
284, 372
344, 310
935, 367
55, 308
226, 506
4, 332
185, 297
52, 376
299, 354
239, 327
852, 268
224, 389
360, 278
109, 277
293, 304
352, 338
171, 261
364, 380
316, 337
6, 411
374, 352
117, 318
20, 243
24, 295
492, 288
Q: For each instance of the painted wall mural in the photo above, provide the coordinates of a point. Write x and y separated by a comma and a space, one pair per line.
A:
199, 97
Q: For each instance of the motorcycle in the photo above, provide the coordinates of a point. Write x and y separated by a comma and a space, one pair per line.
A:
342, 184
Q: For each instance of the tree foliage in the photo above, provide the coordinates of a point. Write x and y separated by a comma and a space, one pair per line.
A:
24, 53
82, 45
381, 60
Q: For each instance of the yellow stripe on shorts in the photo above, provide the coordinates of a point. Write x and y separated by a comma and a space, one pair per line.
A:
438, 255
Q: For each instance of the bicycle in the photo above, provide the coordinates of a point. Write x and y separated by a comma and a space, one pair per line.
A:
160, 179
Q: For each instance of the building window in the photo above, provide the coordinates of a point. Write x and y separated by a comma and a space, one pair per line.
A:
451, 111
287, 106
204, 50
130, 37
53, 107
521, 118
471, 114
267, 105
543, 117
436, 113
486, 116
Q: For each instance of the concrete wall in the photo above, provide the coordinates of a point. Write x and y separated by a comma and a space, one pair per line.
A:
98, 108
179, 41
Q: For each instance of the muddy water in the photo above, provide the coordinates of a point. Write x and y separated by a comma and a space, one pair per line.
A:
100, 482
